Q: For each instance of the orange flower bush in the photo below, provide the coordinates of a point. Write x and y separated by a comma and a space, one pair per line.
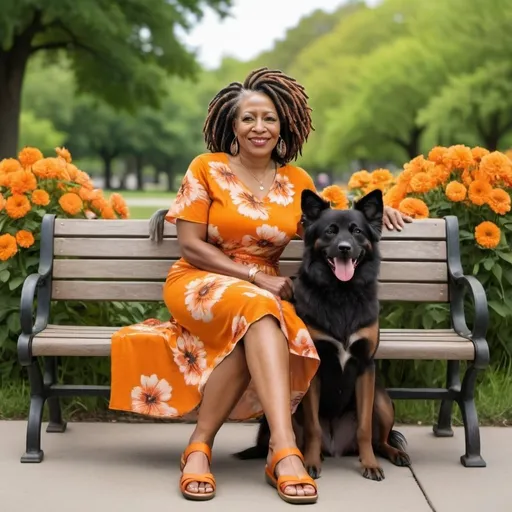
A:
33, 185
475, 185
362, 182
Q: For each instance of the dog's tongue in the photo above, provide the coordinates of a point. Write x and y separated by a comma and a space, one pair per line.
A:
344, 269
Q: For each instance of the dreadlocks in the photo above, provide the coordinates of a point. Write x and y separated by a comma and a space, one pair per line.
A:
288, 97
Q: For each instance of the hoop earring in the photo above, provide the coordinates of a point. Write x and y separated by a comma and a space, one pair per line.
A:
234, 148
281, 147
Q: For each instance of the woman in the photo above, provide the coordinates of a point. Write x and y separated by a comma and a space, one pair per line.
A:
235, 347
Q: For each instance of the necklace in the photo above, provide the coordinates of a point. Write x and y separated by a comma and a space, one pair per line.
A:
262, 187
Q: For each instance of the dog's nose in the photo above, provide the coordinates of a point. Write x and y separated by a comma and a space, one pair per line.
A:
344, 247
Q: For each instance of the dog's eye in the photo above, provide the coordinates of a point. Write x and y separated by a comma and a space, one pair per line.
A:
331, 230
356, 231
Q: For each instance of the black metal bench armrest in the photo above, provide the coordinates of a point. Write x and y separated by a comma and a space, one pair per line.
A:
461, 284
35, 286
39, 285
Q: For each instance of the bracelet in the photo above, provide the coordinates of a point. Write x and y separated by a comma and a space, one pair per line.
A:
252, 273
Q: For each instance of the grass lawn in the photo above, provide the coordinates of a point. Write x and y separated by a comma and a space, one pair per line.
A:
142, 212
144, 194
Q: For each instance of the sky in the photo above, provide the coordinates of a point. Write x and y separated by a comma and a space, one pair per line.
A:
253, 27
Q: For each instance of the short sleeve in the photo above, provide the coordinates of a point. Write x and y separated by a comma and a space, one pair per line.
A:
193, 200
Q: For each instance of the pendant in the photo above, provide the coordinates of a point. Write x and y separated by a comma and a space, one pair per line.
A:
262, 187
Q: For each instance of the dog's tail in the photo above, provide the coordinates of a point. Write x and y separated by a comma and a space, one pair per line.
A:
397, 440
254, 452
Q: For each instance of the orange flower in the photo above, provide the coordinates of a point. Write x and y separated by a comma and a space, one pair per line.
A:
335, 196
82, 178
478, 153
437, 154
107, 212
439, 174
72, 171
29, 156
119, 205
413, 207
359, 179
98, 202
479, 192
9, 165
2, 202
51, 168
40, 197
8, 247
71, 203
17, 206
499, 201
382, 176
22, 181
456, 191
64, 153
394, 196
487, 234
421, 183
458, 157
496, 166
86, 194
25, 238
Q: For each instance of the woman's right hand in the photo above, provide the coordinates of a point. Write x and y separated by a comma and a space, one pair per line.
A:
278, 285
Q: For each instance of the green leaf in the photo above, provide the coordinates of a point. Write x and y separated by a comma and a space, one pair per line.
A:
4, 276
498, 272
505, 256
488, 263
500, 308
16, 282
13, 322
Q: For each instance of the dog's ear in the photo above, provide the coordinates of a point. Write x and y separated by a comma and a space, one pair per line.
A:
312, 206
372, 207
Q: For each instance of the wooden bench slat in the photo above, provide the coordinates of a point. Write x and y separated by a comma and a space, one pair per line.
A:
425, 229
157, 269
152, 291
397, 250
389, 348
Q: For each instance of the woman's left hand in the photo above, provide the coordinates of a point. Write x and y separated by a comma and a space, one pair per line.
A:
394, 219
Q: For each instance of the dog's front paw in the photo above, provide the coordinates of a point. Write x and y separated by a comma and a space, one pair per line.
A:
313, 464
371, 470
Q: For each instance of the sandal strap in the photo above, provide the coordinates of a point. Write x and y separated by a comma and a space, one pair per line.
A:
282, 454
286, 480
196, 447
202, 478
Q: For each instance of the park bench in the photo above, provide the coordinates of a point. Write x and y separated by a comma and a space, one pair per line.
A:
115, 260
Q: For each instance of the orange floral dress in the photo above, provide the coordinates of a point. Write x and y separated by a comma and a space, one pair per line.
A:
160, 369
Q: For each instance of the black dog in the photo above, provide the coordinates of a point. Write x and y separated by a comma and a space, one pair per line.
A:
336, 296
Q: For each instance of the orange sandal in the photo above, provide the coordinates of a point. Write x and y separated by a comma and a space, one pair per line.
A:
284, 480
204, 478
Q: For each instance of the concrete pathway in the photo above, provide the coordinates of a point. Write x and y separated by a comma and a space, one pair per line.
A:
134, 467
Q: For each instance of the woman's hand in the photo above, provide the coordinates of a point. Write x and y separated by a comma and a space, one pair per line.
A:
394, 218
278, 285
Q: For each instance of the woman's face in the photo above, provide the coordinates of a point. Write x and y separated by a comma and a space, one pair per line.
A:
257, 125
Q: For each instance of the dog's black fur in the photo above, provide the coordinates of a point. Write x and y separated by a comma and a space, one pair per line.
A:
336, 310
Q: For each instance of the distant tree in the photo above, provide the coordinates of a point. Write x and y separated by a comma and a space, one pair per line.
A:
120, 51
475, 105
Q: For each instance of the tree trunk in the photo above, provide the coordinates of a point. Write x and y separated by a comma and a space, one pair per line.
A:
13, 64
107, 170
169, 170
139, 163
413, 146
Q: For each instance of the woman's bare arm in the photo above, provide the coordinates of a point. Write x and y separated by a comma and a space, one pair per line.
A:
203, 255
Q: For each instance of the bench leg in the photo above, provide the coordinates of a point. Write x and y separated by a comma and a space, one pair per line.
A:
472, 457
443, 428
33, 451
56, 423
